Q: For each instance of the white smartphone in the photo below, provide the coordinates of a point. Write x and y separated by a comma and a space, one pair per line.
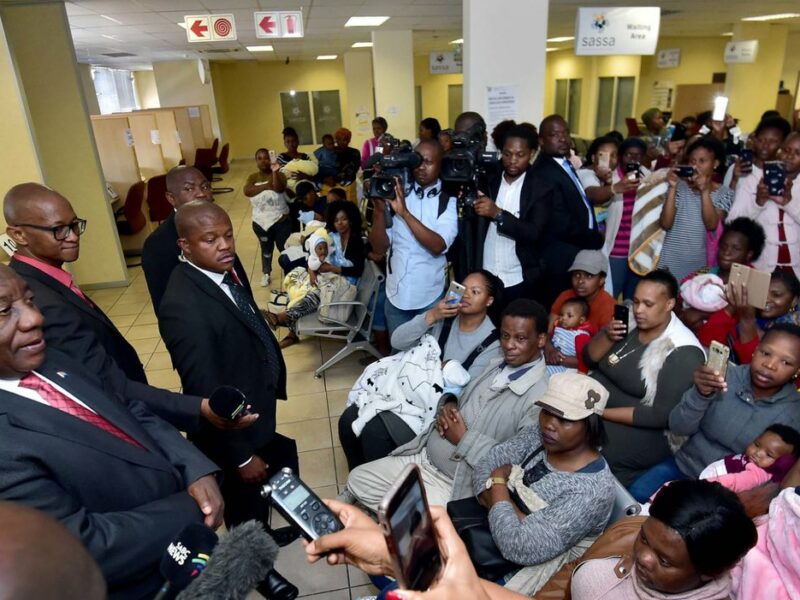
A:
603, 159
272, 156
720, 108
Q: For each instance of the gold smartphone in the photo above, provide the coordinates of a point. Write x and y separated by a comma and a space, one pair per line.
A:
756, 282
718, 358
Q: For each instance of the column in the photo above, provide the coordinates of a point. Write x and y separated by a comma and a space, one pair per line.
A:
393, 69
40, 44
504, 45
360, 95
753, 87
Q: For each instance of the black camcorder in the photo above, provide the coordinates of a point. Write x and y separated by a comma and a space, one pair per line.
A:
400, 162
465, 167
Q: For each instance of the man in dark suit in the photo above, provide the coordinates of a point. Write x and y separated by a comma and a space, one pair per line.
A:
216, 335
47, 233
571, 226
119, 478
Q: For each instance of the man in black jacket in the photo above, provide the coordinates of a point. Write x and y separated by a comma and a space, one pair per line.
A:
570, 226
216, 336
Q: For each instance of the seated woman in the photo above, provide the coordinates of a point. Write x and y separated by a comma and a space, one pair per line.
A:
742, 241
741, 326
347, 259
465, 334
666, 557
646, 370
723, 416
559, 475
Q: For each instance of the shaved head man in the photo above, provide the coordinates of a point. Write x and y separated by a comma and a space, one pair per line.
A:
206, 236
185, 184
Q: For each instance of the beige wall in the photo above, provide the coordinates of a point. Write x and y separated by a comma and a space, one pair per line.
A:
146, 90
178, 84
434, 90
89, 92
791, 66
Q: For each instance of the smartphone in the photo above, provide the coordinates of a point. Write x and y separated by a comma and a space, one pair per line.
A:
300, 505
621, 314
775, 176
718, 357
272, 156
746, 160
685, 171
455, 293
633, 170
720, 108
407, 525
756, 282
603, 159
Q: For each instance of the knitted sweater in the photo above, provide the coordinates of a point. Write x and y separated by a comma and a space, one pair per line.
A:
577, 504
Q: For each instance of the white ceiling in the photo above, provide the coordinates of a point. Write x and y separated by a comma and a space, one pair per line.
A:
148, 28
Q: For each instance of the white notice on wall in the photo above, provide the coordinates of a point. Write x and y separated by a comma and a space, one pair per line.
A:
502, 103
155, 136
620, 30
669, 58
194, 111
663, 94
741, 52
128, 135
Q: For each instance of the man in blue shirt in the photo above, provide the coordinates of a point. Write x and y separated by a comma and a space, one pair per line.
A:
421, 232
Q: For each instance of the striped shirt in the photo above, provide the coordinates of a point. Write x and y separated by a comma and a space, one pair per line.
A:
684, 250
622, 242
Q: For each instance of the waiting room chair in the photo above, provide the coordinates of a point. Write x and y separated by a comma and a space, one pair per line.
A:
633, 127
222, 168
625, 505
158, 206
132, 224
356, 331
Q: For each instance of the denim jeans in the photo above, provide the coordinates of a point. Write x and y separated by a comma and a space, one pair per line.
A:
648, 483
623, 280
397, 316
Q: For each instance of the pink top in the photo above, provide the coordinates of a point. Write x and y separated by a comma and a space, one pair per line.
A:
60, 275
752, 477
367, 150
622, 242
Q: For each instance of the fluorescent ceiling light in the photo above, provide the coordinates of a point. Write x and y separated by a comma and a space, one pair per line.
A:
366, 21
774, 17
458, 41
327, 57
727, 34
259, 48
561, 39
109, 37
112, 19
551, 49
362, 45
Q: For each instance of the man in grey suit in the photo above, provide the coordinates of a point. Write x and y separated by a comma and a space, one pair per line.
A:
120, 479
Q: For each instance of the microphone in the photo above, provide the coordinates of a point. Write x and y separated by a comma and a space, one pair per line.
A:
185, 558
228, 402
240, 562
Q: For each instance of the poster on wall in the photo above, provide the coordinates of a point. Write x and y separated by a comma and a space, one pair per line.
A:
741, 52
502, 103
669, 58
620, 30
445, 63
663, 94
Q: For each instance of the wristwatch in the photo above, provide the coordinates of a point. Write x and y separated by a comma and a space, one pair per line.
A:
498, 218
495, 481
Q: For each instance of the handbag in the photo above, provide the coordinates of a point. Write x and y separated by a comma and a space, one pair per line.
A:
471, 522
335, 288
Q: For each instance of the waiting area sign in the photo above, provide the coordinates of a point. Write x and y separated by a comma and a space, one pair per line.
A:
620, 30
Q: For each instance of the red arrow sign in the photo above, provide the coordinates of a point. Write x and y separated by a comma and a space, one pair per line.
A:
198, 29
267, 24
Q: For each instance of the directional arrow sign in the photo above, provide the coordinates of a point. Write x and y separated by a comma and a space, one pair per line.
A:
210, 28
268, 25
197, 28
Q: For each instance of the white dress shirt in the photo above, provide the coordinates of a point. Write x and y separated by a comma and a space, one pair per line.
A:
570, 171
217, 279
500, 251
12, 386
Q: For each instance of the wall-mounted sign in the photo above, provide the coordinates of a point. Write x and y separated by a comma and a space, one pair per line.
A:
279, 24
210, 28
741, 52
623, 30
668, 58
445, 63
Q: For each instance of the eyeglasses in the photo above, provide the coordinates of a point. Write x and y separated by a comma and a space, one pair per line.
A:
61, 232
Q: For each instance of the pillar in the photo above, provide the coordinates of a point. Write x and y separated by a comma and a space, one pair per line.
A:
504, 45
360, 95
393, 72
51, 98
753, 87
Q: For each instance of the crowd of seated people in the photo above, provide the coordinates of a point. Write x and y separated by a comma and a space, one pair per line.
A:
562, 372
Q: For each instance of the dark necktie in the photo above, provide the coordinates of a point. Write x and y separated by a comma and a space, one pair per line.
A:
66, 404
256, 321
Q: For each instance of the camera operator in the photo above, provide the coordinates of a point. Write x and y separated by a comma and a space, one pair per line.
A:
512, 218
423, 225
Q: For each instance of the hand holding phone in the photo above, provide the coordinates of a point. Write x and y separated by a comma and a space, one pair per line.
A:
621, 313
685, 171
455, 293
775, 177
746, 161
717, 359
272, 156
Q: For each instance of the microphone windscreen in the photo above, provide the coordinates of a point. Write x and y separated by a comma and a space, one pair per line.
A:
240, 562
187, 555
227, 401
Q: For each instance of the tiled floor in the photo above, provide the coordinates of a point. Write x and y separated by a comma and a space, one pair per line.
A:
309, 416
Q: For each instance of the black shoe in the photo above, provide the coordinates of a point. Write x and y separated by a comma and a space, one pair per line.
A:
277, 587
284, 536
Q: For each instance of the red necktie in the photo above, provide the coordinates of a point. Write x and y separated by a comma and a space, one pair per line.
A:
66, 404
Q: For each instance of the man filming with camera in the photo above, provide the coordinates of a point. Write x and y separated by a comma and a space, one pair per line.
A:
414, 229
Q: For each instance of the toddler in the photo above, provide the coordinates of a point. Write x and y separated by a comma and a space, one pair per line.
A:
571, 333
326, 157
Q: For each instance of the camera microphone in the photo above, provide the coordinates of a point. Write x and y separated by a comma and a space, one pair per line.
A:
228, 402
185, 558
240, 562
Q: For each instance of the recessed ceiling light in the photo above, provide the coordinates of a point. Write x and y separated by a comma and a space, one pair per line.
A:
327, 57
366, 21
259, 48
727, 34
774, 17
362, 45
112, 19
292, 93
568, 38
458, 41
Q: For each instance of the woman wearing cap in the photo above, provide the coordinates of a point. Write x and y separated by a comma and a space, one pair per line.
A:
566, 484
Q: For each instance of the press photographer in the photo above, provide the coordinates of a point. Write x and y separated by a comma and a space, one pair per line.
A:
423, 225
